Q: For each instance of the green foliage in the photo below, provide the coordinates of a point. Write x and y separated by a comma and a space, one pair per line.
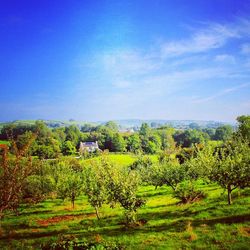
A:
187, 191
167, 155
112, 126
122, 186
70, 242
73, 134
194, 125
210, 132
69, 181
14, 130
190, 137
88, 127
68, 148
134, 144
244, 127
223, 133
173, 173
144, 130
152, 175
167, 140
118, 143
40, 184
169, 173
232, 168
59, 134
108, 183
45, 145
95, 184
14, 172
143, 162
185, 154
201, 163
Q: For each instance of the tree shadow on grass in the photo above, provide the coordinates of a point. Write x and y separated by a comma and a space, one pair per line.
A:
34, 212
189, 212
32, 235
175, 226
168, 215
161, 206
223, 220
152, 194
35, 206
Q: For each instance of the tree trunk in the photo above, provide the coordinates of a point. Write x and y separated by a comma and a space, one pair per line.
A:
73, 201
97, 213
229, 197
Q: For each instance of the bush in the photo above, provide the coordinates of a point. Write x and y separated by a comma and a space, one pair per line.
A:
141, 162
70, 242
188, 192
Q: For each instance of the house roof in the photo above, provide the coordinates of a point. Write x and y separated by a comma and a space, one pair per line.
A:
89, 143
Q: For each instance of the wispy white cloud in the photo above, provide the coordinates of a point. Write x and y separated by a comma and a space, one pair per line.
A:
221, 93
137, 78
201, 41
212, 36
125, 66
129, 61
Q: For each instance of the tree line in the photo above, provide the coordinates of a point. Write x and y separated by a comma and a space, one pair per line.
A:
52, 143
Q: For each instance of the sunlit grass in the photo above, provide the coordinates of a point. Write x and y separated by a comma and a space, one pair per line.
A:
4, 142
123, 160
207, 224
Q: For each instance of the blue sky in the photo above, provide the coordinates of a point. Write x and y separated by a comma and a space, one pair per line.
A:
104, 59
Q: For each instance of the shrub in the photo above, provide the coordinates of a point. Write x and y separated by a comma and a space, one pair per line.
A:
70, 242
188, 192
141, 162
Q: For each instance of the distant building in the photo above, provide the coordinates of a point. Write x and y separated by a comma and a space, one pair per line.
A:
127, 130
89, 147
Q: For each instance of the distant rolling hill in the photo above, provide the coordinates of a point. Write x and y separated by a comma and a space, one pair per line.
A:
128, 123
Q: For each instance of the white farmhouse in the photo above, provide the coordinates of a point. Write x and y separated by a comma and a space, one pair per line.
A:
88, 147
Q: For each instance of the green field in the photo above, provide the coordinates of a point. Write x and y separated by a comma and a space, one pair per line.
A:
123, 160
163, 223
4, 142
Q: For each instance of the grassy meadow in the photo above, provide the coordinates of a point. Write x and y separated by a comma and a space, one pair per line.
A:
163, 223
123, 160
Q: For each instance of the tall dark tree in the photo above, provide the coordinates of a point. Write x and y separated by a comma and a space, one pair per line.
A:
189, 137
134, 143
223, 133
73, 134
244, 126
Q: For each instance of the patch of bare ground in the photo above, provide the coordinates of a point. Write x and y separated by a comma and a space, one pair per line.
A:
58, 219
192, 234
245, 231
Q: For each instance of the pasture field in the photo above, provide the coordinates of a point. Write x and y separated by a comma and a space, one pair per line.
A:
163, 223
123, 160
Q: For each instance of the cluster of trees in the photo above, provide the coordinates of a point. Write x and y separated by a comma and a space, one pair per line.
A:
106, 183
227, 165
27, 180
24, 178
52, 143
